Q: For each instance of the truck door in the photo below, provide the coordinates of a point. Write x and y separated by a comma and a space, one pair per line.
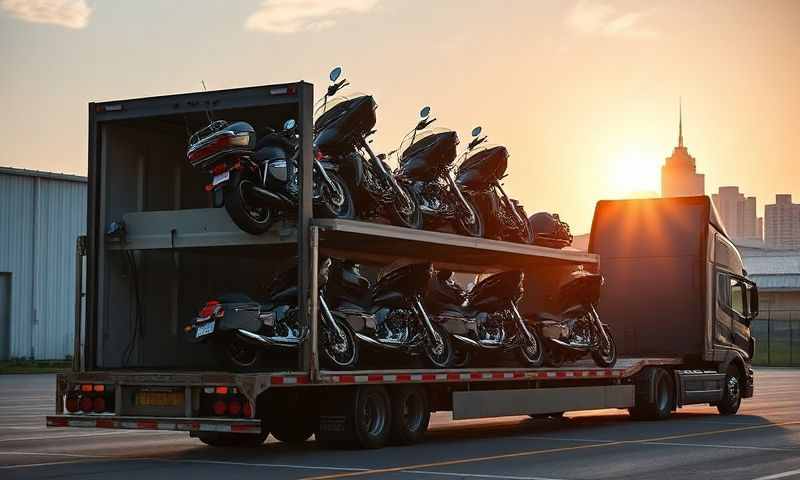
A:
733, 315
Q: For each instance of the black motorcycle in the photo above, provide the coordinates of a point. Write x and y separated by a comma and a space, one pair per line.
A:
486, 317
341, 130
242, 329
577, 329
389, 314
478, 176
259, 178
426, 159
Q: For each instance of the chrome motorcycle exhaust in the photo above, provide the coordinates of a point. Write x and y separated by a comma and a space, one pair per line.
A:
264, 341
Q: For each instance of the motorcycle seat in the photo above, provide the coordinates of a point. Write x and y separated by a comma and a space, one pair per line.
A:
545, 317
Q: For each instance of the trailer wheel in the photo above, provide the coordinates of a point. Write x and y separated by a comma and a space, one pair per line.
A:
373, 417
245, 440
732, 396
411, 414
663, 402
294, 430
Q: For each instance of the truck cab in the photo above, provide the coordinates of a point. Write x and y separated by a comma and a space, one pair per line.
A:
675, 283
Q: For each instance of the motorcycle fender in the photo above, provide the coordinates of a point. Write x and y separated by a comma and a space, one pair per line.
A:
329, 166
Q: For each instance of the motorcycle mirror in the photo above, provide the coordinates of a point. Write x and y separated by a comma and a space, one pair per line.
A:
476, 131
335, 74
289, 124
426, 110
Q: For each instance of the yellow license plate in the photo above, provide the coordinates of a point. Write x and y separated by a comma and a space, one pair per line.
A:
159, 399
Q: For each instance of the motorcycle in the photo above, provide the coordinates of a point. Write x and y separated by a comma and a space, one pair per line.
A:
259, 179
486, 317
577, 329
341, 130
478, 176
426, 161
549, 231
389, 314
242, 329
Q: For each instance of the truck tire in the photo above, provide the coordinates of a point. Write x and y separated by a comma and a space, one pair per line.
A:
411, 414
663, 402
732, 394
372, 419
244, 440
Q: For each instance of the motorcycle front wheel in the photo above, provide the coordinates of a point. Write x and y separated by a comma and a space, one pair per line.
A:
468, 223
606, 355
340, 352
531, 351
247, 214
336, 204
440, 355
406, 213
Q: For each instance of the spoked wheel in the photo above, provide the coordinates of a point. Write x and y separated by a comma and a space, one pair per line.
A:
440, 353
245, 212
525, 233
468, 220
239, 355
405, 209
530, 351
340, 351
606, 355
336, 201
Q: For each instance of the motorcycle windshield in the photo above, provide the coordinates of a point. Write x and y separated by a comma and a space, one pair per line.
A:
490, 160
323, 106
417, 141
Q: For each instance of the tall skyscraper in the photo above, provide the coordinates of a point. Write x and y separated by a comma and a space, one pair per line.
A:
679, 177
738, 214
782, 223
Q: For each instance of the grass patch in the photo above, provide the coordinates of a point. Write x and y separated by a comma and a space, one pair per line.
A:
32, 366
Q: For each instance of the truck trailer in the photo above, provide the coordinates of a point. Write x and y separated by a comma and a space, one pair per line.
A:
676, 298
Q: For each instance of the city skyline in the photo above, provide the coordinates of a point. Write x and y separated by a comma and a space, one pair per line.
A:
582, 93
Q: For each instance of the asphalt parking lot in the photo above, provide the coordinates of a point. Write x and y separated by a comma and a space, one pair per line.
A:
762, 442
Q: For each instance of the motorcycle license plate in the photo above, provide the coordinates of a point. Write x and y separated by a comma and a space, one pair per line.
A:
205, 329
222, 177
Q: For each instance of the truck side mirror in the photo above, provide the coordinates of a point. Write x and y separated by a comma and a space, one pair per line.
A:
752, 301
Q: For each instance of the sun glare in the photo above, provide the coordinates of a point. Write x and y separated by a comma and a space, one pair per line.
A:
634, 172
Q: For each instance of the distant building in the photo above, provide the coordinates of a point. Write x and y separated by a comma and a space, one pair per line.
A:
782, 223
679, 177
41, 216
738, 214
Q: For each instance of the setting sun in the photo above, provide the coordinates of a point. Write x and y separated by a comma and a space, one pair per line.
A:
634, 172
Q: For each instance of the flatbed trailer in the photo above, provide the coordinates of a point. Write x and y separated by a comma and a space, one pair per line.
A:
128, 379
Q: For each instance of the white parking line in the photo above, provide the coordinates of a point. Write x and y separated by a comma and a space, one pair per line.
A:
568, 439
741, 447
59, 437
790, 473
475, 475
46, 464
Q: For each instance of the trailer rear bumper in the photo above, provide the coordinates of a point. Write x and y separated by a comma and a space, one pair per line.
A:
220, 425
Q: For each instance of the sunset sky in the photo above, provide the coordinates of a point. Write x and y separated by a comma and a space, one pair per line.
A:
583, 93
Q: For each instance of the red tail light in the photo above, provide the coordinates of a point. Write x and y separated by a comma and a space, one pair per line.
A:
219, 407
247, 410
234, 408
99, 405
72, 404
86, 404
209, 309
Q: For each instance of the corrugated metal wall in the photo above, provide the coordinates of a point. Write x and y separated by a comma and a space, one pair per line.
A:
40, 218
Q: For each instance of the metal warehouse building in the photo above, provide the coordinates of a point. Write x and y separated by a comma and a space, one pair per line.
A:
41, 215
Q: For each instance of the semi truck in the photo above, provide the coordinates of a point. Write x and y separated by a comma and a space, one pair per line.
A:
676, 297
